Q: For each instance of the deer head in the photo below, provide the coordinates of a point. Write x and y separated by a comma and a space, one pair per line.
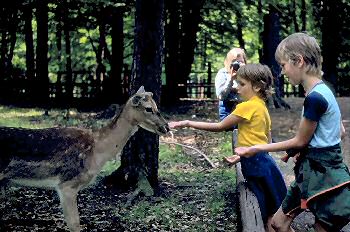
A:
144, 112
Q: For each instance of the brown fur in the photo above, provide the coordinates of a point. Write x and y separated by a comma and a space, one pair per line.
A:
68, 159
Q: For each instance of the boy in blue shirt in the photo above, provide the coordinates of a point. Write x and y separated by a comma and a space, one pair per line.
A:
322, 180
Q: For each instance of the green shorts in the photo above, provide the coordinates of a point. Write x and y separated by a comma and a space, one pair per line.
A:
331, 210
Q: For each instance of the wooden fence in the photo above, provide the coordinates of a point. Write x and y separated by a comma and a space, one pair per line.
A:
85, 88
82, 89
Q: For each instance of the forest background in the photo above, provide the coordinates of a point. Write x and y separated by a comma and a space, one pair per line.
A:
82, 52
89, 54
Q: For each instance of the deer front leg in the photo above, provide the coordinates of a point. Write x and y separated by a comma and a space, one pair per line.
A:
68, 199
2, 185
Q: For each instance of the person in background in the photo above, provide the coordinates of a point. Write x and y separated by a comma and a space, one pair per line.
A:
225, 84
261, 172
322, 179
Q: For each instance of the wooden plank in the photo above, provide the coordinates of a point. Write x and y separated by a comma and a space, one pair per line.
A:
248, 204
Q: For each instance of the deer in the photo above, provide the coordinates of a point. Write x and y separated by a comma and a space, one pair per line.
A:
68, 159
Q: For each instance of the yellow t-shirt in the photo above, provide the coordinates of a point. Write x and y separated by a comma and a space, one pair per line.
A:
255, 129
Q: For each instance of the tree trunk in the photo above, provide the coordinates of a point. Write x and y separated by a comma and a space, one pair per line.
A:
115, 89
41, 89
303, 15
69, 72
260, 28
8, 25
140, 155
60, 11
293, 11
191, 17
172, 38
271, 39
331, 44
28, 30
240, 23
303, 28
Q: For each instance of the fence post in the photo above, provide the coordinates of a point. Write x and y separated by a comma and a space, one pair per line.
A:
209, 80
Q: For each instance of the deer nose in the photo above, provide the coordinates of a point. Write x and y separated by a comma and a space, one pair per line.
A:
164, 128
167, 127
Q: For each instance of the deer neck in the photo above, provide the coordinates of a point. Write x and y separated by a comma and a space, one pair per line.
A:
110, 140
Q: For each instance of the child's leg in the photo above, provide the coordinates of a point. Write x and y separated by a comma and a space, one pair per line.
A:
281, 222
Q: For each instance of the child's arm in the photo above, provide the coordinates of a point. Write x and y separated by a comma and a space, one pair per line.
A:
269, 137
300, 140
227, 123
342, 130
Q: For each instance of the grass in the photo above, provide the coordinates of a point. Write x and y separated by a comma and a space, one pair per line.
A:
195, 197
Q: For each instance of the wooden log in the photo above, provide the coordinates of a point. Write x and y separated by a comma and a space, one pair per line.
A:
248, 204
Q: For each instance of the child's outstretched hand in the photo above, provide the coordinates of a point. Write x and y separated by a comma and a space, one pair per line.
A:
178, 124
232, 159
285, 157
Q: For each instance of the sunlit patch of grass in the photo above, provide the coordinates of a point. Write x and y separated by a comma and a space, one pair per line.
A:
204, 199
110, 167
35, 118
171, 157
23, 117
200, 201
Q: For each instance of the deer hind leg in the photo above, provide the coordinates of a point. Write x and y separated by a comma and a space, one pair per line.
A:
4, 175
2, 186
68, 199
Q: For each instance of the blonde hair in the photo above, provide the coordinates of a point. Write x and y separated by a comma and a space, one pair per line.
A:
301, 44
260, 76
233, 55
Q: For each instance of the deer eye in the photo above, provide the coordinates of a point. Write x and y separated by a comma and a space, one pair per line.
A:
149, 109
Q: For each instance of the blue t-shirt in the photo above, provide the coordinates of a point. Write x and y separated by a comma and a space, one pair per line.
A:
321, 106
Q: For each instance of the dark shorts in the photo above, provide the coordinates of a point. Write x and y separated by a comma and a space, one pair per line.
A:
322, 184
265, 180
331, 210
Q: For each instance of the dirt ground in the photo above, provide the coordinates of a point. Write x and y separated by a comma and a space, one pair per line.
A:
99, 211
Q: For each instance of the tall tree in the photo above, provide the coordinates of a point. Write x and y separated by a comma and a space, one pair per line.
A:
68, 52
181, 40
117, 54
172, 44
331, 40
112, 84
240, 23
191, 17
271, 39
140, 155
42, 73
28, 30
9, 19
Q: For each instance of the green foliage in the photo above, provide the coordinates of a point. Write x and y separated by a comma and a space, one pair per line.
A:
218, 32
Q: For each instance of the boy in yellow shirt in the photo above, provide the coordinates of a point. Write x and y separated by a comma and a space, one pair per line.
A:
254, 124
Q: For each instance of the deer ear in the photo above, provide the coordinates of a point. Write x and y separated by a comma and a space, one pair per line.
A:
141, 90
136, 100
